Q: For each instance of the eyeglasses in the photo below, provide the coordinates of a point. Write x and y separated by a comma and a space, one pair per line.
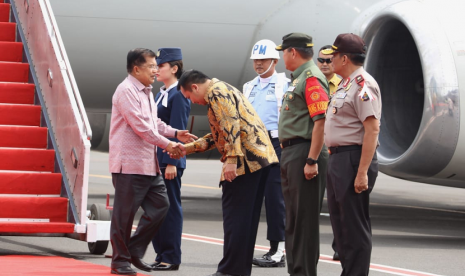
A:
323, 60
151, 66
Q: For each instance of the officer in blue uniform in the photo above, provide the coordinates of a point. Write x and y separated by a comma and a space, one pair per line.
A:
265, 93
173, 109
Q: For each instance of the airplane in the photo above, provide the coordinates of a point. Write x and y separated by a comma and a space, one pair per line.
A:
416, 53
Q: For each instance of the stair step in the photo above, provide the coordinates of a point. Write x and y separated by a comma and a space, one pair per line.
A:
4, 12
36, 227
11, 51
53, 208
30, 183
20, 115
14, 71
23, 137
17, 93
7, 31
27, 160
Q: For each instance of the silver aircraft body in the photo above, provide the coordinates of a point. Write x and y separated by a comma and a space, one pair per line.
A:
416, 53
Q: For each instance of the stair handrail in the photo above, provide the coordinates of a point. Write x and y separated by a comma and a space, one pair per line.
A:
69, 71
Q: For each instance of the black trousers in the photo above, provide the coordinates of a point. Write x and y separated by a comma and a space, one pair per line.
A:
302, 199
167, 241
274, 200
242, 202
131, 192
349, 211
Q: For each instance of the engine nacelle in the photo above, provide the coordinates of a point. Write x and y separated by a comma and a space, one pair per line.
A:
416, 53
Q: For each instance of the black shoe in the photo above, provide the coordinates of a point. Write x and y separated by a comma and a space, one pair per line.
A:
336, 256
124, 270
220, 274
154, 264
267, 261
165, 267
140, 264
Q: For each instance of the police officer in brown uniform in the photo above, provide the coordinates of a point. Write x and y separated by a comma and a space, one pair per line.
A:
351, 134
303, 163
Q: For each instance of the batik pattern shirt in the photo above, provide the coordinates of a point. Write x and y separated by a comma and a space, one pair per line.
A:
237, 131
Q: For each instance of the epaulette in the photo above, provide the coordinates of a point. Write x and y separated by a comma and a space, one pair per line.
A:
360, 80
308, 74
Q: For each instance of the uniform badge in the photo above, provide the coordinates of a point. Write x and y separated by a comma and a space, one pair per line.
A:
291, 88
287, 107
158, 54
348, 87
295, 82
365, 97
334, 110
341, 95
346, 82
315, 96
291, 97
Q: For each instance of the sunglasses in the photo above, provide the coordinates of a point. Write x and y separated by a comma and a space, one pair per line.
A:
323, 60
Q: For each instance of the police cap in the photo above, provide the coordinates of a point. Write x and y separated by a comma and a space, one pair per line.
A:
295, 40
347, 43
168, 54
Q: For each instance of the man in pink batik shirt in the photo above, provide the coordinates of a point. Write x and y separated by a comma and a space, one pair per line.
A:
135, 133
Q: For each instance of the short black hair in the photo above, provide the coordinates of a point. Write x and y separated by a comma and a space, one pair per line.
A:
356, 59
137, 57
305, 53
180, 65
325, 47
191, 77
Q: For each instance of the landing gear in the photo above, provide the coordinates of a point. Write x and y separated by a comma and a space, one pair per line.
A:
99, 212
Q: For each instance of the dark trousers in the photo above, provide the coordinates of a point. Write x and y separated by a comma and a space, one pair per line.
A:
302, 199
131, 192
167, 241
322, 169
242, 202
274, 200
349, 211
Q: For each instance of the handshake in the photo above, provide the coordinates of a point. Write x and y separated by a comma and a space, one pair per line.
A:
177, 150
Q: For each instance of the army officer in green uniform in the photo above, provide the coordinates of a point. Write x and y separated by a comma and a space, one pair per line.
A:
303, 162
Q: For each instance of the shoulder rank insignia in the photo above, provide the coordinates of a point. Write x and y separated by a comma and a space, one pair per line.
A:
295, 82
359, 79
346, 82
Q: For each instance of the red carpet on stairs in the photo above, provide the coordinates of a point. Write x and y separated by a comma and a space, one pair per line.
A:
27, 160
7, 31
11, 51
16, 93
53, 208
23, 137
14, 71
20, 115
25, 195
20, 183
4, 12
52, 266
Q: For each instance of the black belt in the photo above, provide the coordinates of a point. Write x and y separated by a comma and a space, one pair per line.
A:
334, 150
294, 141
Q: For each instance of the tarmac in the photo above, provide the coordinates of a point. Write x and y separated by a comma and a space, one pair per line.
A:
418, 229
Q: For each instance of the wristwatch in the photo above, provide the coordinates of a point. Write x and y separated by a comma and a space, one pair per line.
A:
311, 161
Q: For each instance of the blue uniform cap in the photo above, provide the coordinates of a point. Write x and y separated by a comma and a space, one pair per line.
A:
168, 54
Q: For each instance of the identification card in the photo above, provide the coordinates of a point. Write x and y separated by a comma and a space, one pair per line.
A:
341, 95
271, 98
291, 88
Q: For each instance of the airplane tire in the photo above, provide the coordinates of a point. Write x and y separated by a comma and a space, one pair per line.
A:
98, 212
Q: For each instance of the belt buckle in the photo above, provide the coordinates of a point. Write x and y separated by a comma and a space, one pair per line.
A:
329, 151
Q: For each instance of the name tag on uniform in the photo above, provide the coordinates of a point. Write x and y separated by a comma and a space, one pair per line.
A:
271, 98
291, 88
341, 95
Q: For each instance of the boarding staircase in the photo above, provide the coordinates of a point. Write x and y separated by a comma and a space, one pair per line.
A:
44, 131
30, 188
